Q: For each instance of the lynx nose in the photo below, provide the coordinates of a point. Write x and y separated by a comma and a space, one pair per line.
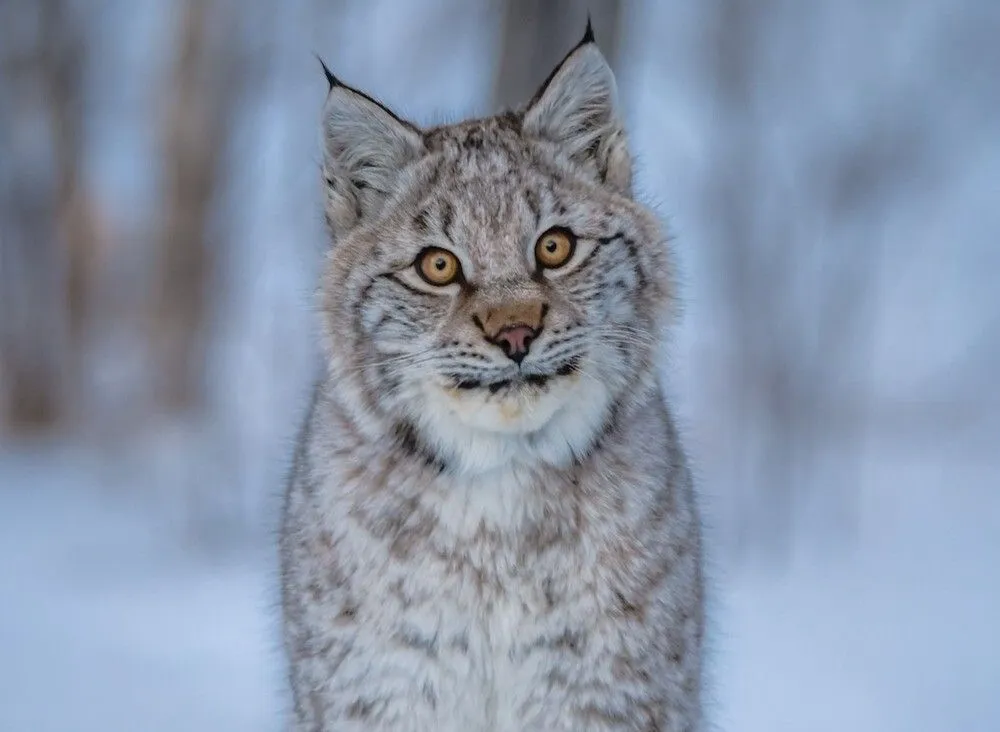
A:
515, 340
511, 326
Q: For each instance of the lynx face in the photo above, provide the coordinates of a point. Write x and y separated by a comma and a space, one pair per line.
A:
493, 291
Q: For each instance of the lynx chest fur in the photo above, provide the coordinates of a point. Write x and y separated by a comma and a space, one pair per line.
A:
490, 525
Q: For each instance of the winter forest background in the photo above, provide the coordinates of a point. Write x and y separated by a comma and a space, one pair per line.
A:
830, 170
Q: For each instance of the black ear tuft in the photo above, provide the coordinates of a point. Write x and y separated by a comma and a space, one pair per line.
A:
365, 146
330, 78
577, 109
588, 35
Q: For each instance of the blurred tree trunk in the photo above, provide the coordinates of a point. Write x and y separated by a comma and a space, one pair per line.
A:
200, 96
49, 235
796, 245
77, 211
538, 33
757, 368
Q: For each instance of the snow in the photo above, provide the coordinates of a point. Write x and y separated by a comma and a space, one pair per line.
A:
107, 623
903, 638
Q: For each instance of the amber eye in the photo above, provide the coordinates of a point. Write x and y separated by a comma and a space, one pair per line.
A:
554, 248
438, 266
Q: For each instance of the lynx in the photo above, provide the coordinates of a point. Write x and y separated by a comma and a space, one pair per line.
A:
490, 523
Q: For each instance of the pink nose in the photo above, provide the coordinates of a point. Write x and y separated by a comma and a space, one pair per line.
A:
515, 340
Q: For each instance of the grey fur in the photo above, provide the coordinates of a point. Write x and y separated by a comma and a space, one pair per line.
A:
469, 543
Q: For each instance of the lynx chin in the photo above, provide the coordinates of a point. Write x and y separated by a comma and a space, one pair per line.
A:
490, 523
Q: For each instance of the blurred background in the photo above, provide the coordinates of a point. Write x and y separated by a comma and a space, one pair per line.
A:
830, 171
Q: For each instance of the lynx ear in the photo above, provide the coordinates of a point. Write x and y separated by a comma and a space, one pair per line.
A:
577, 108
365, 146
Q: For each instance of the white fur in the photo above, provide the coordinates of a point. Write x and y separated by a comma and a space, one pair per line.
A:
482, 432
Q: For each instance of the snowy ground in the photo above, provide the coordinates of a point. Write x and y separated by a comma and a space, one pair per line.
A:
106, 625
903, 636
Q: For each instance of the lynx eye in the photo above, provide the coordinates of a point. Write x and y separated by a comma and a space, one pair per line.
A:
438, 267
554, 248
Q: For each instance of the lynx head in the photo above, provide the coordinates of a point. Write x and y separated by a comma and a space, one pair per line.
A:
493, 293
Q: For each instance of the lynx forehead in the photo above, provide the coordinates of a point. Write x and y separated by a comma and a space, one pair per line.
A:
490, 525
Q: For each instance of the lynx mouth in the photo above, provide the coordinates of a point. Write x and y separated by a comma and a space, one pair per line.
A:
521, 381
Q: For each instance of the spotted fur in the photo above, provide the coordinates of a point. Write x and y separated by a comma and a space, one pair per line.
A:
472, 543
